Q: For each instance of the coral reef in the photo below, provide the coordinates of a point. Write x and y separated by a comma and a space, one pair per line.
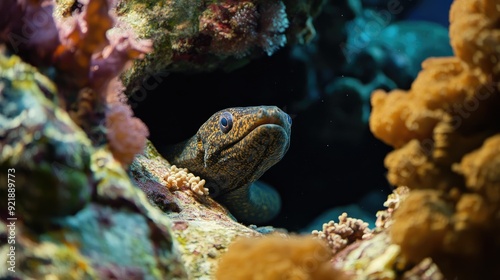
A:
85, 66
95, 200
68, 193
67, 136
200, 36
475, 35
277, 256
51, 154
446, 136
362, 253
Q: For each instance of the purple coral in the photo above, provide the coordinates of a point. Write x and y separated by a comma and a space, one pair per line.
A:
29, 29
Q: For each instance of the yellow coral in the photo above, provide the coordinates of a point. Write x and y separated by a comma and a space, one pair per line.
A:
276, 257
447, 137
474, 33
406, 119
481, 169
178, 178
421, 223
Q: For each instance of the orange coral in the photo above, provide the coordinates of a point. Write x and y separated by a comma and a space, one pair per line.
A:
475, 35
481, 169
277, 257
447, 137
428, 226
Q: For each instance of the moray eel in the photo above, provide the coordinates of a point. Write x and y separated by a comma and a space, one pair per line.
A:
231, 150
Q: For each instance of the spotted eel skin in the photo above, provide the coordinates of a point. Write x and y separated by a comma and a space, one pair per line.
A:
231, 150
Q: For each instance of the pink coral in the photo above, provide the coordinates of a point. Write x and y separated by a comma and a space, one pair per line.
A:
88, 55
29, 29
126, 134
115, 58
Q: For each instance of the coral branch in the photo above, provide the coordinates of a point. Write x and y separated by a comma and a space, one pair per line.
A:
345, 232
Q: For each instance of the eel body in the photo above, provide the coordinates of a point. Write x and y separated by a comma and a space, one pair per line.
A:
231, 150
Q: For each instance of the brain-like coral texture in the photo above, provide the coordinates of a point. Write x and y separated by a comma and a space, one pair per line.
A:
446, 133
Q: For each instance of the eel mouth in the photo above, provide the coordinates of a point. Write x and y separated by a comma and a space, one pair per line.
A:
272, 136
272, 122
271, 152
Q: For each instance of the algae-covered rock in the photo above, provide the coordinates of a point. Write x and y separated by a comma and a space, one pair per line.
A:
75, 213
201, 226
47, 154
193, 36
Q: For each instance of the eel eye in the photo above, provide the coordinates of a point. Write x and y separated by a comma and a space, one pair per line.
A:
289, 119
226, 122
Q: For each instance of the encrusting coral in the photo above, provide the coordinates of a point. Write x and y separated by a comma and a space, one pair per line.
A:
276, 257
446, 133
69, 187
